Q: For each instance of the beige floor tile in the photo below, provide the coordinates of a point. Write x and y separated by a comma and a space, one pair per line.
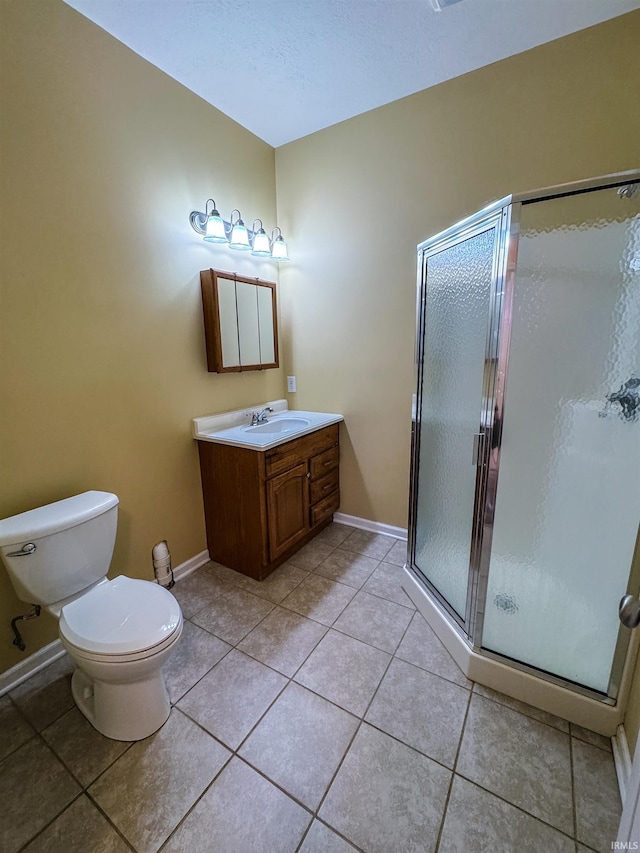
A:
300, 742
233, 614
420, 709
386, 582
479, 822
275, 586
522, 707
311, 555
34, 788
230, 699
46, 695
80, 829
283, 640
345, 671
321, 839
334, 534
319, 599
196, 591
347, 567
387, 797
242, 812
375, 621
196, 653
84, 750
421, 647
14, 729
370, 544
593, 738
398, 553
153, 785
598, 806
520, 759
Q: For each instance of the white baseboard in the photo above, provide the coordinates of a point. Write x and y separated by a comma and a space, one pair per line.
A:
185, 569
47, 655
29, 666
371, 526
622, 759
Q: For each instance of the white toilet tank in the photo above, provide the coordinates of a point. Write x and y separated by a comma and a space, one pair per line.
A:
73, 541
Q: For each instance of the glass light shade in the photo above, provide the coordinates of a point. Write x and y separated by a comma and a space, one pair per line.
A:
239, 237
279, 250
215, 229
261, 246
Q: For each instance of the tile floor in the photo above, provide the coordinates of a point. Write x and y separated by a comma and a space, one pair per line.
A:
315, 712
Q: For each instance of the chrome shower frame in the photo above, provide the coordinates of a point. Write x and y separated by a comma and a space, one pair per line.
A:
503, 215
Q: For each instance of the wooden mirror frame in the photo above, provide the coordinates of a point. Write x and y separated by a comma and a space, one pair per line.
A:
212, 326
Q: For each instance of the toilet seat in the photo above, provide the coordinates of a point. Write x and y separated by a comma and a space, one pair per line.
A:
122, 619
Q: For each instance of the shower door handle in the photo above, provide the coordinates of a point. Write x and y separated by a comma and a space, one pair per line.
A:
478, 448
629, 611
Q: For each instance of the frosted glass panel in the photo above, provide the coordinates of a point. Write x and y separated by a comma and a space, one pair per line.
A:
456, 320
568, 500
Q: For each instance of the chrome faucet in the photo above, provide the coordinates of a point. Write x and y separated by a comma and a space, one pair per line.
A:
260, 418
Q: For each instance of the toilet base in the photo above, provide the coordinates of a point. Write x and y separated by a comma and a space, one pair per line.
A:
129, 711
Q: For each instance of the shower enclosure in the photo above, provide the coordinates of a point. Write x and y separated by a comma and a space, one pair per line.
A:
525, 482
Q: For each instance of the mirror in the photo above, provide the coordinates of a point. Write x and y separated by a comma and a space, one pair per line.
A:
240, 322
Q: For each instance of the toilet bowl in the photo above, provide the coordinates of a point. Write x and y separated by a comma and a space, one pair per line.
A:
118, 632
119, 635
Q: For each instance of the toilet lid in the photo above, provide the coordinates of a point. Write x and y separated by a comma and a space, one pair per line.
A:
121, 616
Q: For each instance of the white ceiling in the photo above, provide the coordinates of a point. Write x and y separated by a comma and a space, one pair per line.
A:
286, 68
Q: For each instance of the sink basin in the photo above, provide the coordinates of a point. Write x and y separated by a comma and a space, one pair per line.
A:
280, 425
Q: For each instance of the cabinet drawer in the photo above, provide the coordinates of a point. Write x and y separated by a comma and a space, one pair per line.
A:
299, 450
320, 465
323, 487
324, 508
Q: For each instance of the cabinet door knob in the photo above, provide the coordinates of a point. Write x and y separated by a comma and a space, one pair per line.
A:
308, 475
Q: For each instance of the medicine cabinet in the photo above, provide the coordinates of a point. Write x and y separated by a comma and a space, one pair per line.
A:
240, 322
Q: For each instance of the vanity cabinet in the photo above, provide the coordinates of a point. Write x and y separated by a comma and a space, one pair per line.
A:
262, 506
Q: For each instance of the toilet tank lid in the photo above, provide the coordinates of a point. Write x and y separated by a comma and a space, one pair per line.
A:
54, 517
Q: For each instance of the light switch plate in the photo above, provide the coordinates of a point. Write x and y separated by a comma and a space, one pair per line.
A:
291, 384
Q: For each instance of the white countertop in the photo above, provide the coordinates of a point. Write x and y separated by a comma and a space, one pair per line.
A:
284, 424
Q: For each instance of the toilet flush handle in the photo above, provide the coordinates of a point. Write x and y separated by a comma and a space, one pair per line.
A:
27, 549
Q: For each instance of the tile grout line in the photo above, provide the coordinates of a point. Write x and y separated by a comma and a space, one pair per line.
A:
234, 752
522, 713
453, 774
574, 809
488, 790
355, 734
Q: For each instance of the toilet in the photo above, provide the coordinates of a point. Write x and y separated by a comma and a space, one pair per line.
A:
118, 632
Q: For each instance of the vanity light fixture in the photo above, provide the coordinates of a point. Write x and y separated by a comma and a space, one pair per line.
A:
261, 246
235, 234
278, 246
239, 239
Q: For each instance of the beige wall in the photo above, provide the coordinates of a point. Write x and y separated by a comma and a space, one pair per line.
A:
357, 198
102, 345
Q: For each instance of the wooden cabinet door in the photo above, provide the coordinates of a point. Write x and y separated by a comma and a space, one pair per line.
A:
287, 509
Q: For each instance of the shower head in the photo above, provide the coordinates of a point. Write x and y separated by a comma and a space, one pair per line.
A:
629, 190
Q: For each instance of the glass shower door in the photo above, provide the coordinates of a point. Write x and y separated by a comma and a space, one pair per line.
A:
568, 498
458, 278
